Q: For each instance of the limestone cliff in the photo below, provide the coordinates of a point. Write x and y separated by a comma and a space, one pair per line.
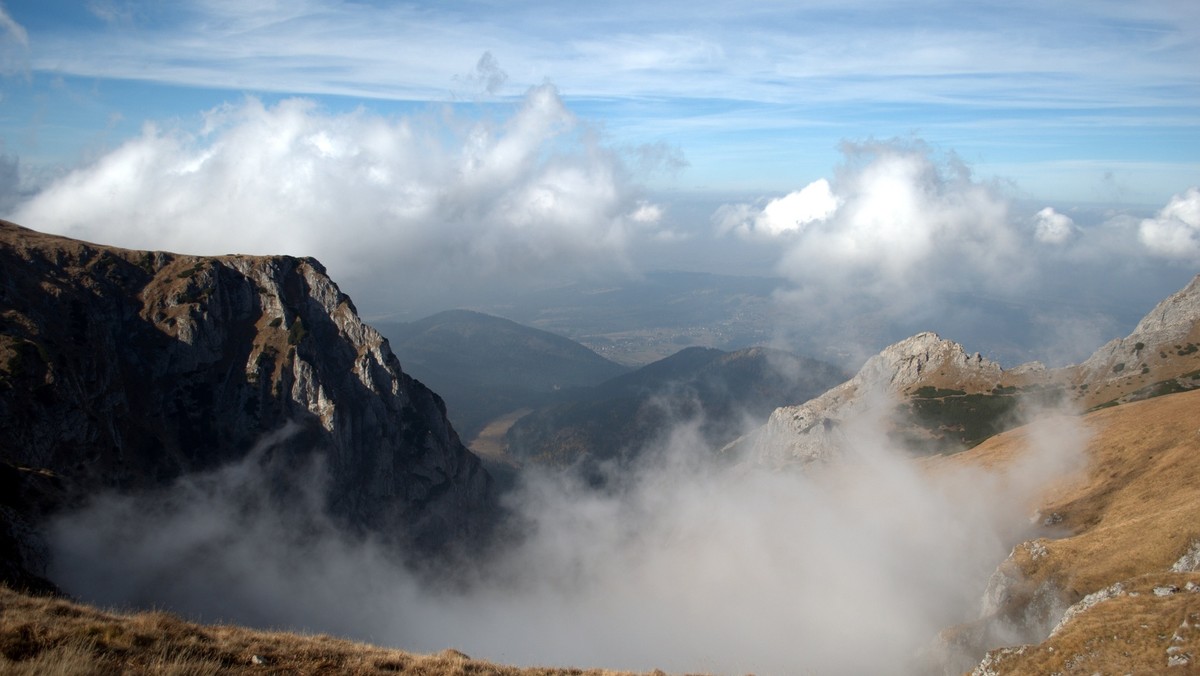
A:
126, 369
810, 431
1161, 355
935, 396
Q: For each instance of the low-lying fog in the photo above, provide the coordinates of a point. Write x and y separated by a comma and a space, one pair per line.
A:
691, 564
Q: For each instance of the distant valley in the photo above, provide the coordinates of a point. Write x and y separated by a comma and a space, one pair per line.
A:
486, 366
546, 400
224, 437
636, 321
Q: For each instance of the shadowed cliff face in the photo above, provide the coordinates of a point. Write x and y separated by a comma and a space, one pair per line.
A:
127, 369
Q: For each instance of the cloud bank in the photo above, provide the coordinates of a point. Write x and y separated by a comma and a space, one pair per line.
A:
687, 565
390, 205
905, 239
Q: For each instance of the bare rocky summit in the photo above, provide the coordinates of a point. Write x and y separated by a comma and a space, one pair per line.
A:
931, 393
126, 369
810, 431
1162, 350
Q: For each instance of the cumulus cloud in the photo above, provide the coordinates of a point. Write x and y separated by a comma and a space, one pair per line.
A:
904, 239
896, 233
791, 213
1175, 231
906, 226
403, 203
1051, 227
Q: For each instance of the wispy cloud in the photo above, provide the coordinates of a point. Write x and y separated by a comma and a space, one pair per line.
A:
720, 78
775, 54
14, 44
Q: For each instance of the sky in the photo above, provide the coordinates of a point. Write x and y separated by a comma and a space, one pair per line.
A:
906, 151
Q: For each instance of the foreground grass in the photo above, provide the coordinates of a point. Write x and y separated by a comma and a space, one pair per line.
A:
52, 636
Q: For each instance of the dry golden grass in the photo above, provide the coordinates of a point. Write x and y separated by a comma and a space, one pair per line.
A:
1137, 633
42, 635
491, 443
1128, 518
1136, 510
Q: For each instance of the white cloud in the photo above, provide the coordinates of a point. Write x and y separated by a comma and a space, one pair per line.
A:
896, 227
1052, 227
917, 243
1175, 232
14, 45
396, 202
788, 214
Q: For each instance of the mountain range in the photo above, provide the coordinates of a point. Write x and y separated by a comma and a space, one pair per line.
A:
941, 398
127, 370
486, 366
721, 392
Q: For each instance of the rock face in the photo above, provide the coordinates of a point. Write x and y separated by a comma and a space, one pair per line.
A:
812, 430
126, 369
1163, 348
946, 396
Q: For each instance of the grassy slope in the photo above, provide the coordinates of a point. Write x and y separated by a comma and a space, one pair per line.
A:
43, 635
1132, 514
1129, 518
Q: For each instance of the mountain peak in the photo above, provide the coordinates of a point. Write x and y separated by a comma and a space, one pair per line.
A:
1178, 312
928, 359
151, 365
1163, 346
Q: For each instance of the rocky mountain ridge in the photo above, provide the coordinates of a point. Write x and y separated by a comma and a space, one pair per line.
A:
937, 396
613, 422
124, 369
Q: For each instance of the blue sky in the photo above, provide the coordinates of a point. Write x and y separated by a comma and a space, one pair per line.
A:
882, 157
1086, 101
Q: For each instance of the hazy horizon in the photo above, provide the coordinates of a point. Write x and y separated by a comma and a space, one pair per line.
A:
893, 164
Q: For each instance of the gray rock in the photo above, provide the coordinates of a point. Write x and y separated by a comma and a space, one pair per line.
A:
127, 369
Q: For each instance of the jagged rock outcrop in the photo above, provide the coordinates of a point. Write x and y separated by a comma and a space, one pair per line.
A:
935, 395
1163, 350
126, 369
813, 430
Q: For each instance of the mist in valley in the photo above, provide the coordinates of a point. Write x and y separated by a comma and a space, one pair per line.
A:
689, 561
